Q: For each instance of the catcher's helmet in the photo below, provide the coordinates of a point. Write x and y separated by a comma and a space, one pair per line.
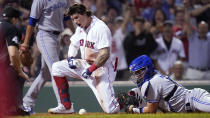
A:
142, 65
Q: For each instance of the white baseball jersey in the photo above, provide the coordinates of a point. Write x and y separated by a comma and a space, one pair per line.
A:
118, 50
166, 58
50, 13
91, 40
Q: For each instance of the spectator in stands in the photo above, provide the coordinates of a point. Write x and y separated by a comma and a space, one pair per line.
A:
139, 41
117, 43
156, 4
177, 71
65, 42
140, 5
111, 14
199, 48
157, 23
170, 49
90, 5
101, 8
180, 28
202, 12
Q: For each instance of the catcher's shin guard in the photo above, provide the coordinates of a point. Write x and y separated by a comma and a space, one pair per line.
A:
63, 88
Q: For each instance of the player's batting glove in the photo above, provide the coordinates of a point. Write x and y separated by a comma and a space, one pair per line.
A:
71, 63
86, 74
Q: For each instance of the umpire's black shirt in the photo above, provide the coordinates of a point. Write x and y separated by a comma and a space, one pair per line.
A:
9, 36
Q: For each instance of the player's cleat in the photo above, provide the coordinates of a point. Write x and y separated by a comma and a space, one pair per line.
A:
60, 109
28, 109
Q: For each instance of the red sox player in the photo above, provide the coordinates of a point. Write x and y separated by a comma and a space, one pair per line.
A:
93, 38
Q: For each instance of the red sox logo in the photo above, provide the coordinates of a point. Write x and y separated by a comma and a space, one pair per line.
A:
87, 44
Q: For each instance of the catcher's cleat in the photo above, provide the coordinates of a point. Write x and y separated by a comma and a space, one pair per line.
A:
60, 109
27, 108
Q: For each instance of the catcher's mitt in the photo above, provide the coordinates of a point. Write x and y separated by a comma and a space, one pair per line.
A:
126, 100
25, 58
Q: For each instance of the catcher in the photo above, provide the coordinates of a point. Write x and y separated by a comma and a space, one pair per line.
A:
160, 91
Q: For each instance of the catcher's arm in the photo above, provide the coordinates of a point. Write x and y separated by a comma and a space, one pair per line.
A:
15, 60
150, 108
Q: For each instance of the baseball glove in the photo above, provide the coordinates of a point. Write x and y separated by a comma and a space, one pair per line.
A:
25, 58
126, 100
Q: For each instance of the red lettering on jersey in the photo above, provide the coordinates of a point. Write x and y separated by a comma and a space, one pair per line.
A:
81, 42
92, 45
88, 44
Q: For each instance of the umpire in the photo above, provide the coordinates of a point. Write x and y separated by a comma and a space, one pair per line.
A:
11, 74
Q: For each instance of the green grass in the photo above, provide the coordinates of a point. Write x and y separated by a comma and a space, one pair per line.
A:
101, 115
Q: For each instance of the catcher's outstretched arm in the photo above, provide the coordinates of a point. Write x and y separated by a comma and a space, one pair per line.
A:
150, 108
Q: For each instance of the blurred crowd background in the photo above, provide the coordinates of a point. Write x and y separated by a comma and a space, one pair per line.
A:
174, 33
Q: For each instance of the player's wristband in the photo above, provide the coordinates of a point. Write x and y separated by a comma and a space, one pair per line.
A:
141, 109
32, 21
92, 68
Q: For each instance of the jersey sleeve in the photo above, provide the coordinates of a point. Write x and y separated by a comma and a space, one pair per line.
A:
36, 9
73, 47
13, 38
151, 92
104, 36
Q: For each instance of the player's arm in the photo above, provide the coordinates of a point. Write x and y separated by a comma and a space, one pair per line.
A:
102, 57
150, 108
14, 55
36, 11
29, 31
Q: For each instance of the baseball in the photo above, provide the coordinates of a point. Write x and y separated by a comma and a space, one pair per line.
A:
82, 111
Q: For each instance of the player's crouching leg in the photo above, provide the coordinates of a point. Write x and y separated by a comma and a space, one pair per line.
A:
57, 69
63, 90
112, 108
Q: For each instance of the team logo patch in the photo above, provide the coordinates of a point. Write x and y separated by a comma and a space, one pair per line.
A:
15, 39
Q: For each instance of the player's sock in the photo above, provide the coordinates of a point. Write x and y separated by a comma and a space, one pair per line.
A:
63, 88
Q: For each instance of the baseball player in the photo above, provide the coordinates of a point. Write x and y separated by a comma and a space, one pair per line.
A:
93, 37
160, 91
49, 17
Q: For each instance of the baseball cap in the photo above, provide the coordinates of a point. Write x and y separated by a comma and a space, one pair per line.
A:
66, 31
9, 11
118, 19
168, 22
